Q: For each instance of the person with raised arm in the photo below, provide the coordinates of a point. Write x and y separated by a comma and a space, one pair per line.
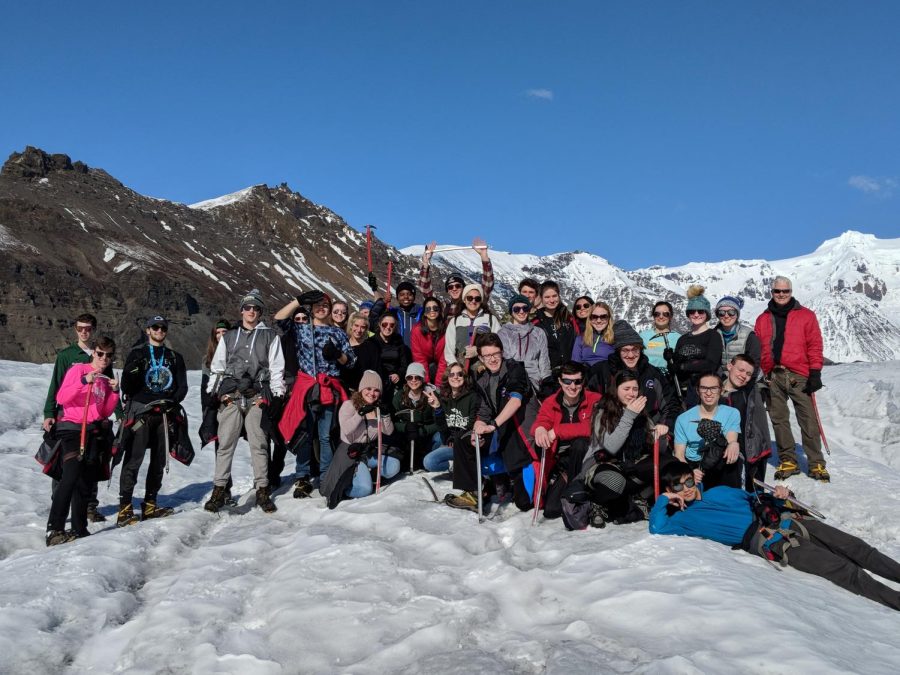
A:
475, 319
454, 283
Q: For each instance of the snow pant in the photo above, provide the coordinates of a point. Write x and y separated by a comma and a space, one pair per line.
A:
724, 474
785, 386
319, 425
231, 418
73, 490
753, 470
151, 434
839, 557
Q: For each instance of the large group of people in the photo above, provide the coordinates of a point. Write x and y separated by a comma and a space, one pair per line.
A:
569, 411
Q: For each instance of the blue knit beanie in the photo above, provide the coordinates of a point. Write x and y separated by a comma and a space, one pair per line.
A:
731, 301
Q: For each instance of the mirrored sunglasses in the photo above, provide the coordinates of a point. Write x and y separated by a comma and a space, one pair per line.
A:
689, 483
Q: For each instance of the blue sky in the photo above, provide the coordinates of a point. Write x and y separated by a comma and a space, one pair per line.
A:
646, 132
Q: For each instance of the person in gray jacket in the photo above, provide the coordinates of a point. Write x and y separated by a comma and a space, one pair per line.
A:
247, 370
525, 342
741, 391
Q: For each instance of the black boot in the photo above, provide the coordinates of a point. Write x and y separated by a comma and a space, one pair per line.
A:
217, 499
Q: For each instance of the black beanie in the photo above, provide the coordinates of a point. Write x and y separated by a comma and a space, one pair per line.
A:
406, 286
454, 278
624, 334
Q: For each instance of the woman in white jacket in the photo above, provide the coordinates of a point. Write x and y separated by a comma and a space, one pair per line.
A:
459, 339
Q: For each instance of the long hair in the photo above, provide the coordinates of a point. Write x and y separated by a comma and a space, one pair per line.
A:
341, 325
446, 392
607, 335
212, 343
608, 414
561, 314
358, 401
441, 324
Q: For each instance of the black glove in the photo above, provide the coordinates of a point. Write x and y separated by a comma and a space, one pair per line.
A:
366, 409
310, 297
813, 382
668, 354
330, 351
358, 451
385, 409
373, 282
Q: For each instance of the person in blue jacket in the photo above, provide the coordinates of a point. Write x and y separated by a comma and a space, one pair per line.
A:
766, 525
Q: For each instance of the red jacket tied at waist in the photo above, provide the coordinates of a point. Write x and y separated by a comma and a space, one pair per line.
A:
330, 392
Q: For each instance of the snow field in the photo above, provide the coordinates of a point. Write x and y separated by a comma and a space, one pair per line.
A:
390, 583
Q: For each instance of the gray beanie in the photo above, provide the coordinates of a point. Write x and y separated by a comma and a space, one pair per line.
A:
370, 380
624, 334
731, 301
254, 297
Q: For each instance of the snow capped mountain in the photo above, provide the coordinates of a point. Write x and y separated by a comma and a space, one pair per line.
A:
852, 282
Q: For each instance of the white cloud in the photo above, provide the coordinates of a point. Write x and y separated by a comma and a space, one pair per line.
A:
882, 187
542, 94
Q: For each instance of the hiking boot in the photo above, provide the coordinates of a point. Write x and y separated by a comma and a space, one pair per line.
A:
264, 501
94, 516
55, 537
303, 488
787, 469
819, 472
126, 516
229, 499
149, 509
642, 506
467, 500
217, 499
599, 516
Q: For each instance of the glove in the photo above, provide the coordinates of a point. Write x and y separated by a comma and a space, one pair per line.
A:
669, 354
373, 282
366, 409
358, 451
385, 409
310, 297
813, 382
330, 351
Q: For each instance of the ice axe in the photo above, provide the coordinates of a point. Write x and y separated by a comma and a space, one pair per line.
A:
819, 421
380, 452
373, 282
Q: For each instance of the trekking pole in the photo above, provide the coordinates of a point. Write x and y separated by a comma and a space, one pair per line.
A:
165, 417
412, 443
380, 452
665, 338
656, 467
478, 476
369, 247
538, 487
819, 420
87, 404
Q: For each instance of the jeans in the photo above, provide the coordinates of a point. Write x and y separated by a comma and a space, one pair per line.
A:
438, 459
321, 426
362, 478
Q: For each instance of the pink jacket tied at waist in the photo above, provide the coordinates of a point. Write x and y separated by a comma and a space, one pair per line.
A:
73, 393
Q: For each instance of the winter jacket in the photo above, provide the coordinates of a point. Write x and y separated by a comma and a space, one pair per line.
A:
406, 319
802, 349
551, 415
385, 358
65, 359
137, 368
73, 393
429, 351
423, 415
655, 344
722, 514
461, 331
591, 354
696, 354
560, 339
255, 353
755, 441
662, 407
355, 428
513, 383
744, 341
528, 344
308, 340
458, 415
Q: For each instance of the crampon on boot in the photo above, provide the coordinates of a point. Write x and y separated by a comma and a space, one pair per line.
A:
786, 469
94, 516
56, 537
264, 501
819, 472
466, 500
149, 510
126, 516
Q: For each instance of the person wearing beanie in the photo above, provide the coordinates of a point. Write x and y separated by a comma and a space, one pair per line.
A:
698, 351
660, 341
248, 364
525, 342
350, 473
455, 283
737, 337
791, 361
365, 307
408, 313
475, 318
415, 418
663, 405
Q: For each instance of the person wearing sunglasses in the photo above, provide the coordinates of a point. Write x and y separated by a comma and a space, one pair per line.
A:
738, 338
773, 527
247, 368
525, 342
80, 351
407, 312
595, 343
791, 361
386, 354
561, 430
154, 383
612, 476
86, 398
428, 340
414, 415
458, 405
581, 310
475, 319
660, 341
454, 283
700, 349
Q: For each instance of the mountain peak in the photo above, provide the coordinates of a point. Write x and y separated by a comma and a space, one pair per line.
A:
848, 239
35, 163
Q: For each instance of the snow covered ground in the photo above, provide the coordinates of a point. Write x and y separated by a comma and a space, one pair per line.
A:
393, 584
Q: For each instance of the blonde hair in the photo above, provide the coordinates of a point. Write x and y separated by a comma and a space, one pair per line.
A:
607, 335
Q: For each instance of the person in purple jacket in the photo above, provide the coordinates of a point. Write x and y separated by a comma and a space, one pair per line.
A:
596, 343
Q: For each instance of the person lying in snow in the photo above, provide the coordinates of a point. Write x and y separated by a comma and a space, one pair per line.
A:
768, 526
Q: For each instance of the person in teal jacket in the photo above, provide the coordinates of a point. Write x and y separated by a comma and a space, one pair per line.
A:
660, 338
766, 525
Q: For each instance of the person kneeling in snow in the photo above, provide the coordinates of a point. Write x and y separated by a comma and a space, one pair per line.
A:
769, 527
349, 474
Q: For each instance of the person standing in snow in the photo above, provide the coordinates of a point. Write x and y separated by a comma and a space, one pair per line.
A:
700, 350
459, 339
454, 284
770, 527
791, 360
154, 383
660, 341
428, 340
80, 351
247, 365
525, 342
407, 312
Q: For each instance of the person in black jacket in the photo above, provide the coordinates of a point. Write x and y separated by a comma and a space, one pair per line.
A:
154, 381
386, 354
557, 323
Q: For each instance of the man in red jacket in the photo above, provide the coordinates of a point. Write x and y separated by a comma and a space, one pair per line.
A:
792, 362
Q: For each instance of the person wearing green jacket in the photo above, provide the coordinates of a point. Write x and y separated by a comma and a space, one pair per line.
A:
415, 428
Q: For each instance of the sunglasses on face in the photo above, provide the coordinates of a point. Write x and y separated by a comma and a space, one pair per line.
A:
519, 309
692, 312
414, 377
104, 355
389, 325
164, 329
630, 351
301, 319
432, 308
582, 306
456, 373
571, 381
454, 287
342, 312
599, 317
84, 329
781, 291
250, 308
725, 312
662, 315
689, 483
473, 298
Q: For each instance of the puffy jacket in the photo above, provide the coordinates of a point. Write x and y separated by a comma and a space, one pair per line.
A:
802, 350
528, 344
426, 350
461, 330
663, 406
550, 416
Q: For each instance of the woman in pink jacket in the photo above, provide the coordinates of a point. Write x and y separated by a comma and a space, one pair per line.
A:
87, 398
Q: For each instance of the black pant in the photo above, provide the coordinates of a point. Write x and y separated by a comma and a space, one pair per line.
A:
93, 502
151, 434
755, 470
842, 559
73, 490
